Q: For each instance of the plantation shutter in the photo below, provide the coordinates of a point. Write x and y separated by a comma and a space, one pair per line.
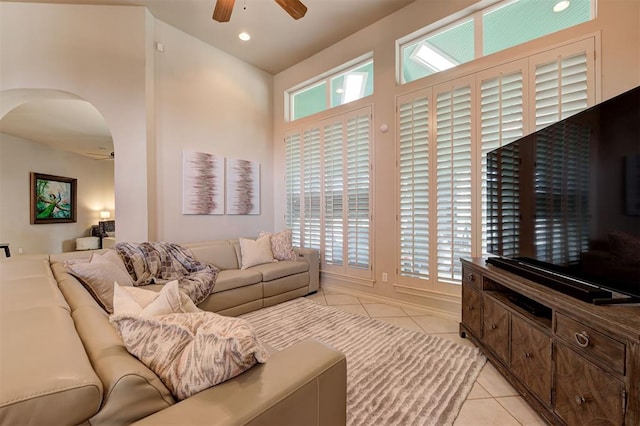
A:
358, 190
502, 121
292, 186
563, 86
312, 226
453, 182
563, 82
413, 169
561, 220
333, 193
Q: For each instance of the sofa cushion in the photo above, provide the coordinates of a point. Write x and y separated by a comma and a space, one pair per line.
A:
273, 271
194, 351
221, 254
45, 374
235, 278
255, 252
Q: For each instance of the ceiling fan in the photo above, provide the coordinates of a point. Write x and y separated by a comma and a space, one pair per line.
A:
100, 156
223, 9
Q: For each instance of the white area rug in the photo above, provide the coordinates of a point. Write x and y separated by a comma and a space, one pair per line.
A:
394, 376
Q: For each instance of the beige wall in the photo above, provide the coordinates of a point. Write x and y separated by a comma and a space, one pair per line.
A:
617, 26
95, 192
208, 101
98, 54
191, 97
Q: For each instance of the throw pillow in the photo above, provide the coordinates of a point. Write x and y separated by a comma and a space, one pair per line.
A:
191, 352
255, 252
148, 303
281, 244
98, 276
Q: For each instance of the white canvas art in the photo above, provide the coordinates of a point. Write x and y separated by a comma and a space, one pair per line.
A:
243, 187
203, 183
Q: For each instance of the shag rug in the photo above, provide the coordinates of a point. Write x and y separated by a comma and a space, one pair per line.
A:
395, 376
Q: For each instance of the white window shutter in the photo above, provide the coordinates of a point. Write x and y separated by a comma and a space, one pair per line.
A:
292, 186
413, 169
358, 190
334, 164
453, 183
312, 211
502, 122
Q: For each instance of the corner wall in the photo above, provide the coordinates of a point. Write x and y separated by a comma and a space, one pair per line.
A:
618, 22
98, 54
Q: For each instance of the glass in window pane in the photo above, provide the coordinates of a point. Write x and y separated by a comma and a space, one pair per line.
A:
352, 85
309, 101
525, 20
444, 50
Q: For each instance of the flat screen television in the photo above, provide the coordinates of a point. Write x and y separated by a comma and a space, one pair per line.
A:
563, 203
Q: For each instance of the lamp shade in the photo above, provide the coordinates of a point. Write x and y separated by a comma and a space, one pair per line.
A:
105, 214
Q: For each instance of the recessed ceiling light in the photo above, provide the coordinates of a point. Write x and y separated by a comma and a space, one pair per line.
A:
561, 5
244, 36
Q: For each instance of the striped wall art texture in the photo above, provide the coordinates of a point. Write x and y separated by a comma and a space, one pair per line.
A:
204, 185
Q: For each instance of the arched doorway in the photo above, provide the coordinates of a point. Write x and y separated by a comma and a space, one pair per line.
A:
57, 133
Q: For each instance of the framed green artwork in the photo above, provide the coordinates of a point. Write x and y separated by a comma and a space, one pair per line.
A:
53, 199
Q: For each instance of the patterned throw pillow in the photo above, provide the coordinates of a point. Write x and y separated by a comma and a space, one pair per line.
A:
191, 352
281, 244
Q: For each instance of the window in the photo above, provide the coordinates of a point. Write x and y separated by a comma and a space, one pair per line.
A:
329, 190
437, 52
502, 121
340, 86
413, 167
507, 24
453, 179
444, 134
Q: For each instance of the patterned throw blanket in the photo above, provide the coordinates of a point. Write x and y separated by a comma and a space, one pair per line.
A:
160, 262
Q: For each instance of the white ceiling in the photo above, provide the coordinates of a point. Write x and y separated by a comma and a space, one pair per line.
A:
278, 42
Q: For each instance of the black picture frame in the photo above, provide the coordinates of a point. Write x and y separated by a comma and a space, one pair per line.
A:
53, 199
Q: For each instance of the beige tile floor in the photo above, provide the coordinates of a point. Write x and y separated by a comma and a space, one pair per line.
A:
492, 401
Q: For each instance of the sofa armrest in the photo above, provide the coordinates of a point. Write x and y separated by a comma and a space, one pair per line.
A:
312, 257
304, 384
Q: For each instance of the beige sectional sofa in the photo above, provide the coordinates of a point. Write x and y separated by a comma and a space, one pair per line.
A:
63, 363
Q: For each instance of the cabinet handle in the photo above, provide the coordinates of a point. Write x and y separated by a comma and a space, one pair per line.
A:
580, 400
493, 326
527, 355
582, 339
471, 277
470, 308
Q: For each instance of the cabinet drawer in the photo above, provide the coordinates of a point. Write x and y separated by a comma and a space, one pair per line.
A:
471, 277
586, 394
531, 357
472, 309
495, 327
586, 340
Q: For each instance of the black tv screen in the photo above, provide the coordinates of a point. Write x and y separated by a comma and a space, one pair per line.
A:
566, 199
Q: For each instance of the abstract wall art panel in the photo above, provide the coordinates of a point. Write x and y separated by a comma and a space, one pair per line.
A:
203, 183
243, 187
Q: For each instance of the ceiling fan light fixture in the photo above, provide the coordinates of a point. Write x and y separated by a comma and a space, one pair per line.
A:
295, 8
561, 5
244, 36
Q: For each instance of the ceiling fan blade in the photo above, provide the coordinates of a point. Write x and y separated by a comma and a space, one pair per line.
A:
295, 8
222, 11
